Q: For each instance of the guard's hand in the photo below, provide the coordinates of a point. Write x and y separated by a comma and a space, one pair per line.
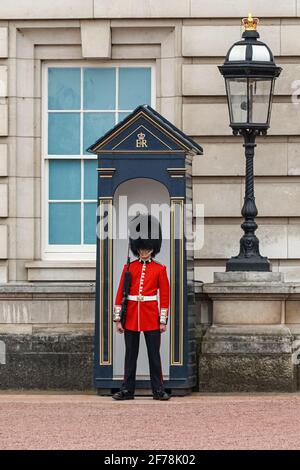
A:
162, 327
119, 327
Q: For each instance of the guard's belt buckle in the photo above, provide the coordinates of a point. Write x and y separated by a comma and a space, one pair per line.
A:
140, 297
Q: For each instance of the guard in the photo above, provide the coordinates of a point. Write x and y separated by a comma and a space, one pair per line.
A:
142, 312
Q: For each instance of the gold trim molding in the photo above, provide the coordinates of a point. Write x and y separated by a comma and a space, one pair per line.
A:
106, 172
105, 203
179, 202
176, 172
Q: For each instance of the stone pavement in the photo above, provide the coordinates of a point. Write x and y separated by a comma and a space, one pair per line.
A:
86, 421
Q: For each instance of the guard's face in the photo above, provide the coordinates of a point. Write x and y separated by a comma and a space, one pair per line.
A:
145, 254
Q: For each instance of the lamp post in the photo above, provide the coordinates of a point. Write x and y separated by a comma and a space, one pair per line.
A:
249, 71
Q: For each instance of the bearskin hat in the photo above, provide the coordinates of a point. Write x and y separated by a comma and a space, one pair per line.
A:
145, 233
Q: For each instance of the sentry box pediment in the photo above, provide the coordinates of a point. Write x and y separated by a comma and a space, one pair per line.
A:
142, 131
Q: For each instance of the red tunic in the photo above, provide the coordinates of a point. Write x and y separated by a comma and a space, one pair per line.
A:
147, 279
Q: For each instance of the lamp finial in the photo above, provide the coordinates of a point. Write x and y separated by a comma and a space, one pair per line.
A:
250, 23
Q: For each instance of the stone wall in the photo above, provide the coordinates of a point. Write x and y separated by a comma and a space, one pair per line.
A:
48, 335
186, 50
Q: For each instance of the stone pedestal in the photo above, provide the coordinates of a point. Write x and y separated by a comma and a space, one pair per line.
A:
248, 347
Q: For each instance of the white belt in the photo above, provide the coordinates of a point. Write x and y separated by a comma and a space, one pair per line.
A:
142, 297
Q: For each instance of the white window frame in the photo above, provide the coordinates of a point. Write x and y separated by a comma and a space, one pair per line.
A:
74, 252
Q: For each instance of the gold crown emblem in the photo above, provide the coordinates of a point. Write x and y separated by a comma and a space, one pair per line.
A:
250, 24
141, 136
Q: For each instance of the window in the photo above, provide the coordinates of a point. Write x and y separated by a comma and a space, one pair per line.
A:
82, 104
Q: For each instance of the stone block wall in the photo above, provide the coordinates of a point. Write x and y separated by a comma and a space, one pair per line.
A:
47, 333
186, 49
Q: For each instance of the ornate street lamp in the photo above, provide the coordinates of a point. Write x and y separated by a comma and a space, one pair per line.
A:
249, 71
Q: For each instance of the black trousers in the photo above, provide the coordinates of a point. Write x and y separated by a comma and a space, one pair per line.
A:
132, 342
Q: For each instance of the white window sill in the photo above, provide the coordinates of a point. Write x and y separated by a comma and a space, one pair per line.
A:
61, 271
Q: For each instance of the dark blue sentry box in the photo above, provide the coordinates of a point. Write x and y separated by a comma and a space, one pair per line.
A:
148, 160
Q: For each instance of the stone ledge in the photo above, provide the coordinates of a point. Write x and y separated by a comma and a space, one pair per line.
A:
64, 329
295, 329
33, 289
46, 329
273, 339
248, 276
48, 343
274, 289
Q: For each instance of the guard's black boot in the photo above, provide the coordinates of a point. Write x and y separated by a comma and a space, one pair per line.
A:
161, 395
123, 395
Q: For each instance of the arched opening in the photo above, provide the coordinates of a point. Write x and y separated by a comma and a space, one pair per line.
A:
144, 191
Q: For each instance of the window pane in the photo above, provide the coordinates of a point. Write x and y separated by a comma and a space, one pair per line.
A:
99, 88
90, 223
94, 126
64, 88
135, 87
122, 116
64, 179
90, 179
64, 133
64, 223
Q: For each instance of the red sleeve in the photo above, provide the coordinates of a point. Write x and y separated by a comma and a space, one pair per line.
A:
164, 289
119, 295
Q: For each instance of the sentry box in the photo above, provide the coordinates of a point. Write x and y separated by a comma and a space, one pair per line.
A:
144, 163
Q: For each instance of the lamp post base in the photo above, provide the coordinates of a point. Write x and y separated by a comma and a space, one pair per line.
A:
255, 263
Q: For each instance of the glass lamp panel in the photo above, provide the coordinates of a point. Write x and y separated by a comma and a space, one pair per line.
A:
237, 53
260, 54
237, 99
259, 100
271, 100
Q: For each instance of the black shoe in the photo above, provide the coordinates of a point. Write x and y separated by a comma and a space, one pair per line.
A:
161, 395
123, 395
